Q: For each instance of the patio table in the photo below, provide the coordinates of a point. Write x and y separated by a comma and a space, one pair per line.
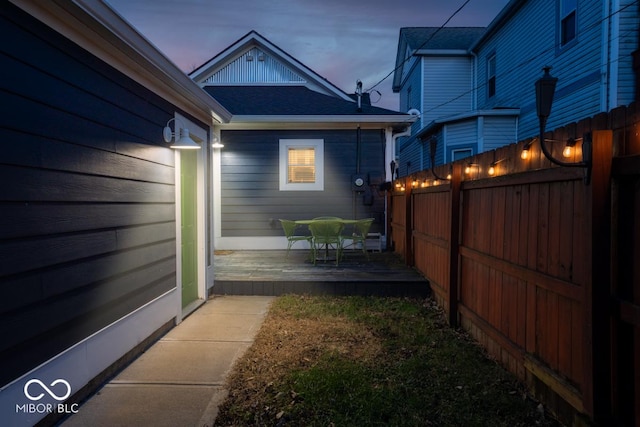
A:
326, 246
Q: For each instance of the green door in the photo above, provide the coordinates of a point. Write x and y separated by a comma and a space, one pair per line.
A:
188, 186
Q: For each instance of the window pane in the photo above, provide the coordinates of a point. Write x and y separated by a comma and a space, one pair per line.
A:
461, 154
301, 167
491, 75
568, 28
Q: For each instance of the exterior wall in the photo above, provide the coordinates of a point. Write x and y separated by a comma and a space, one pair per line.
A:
447, 86
413, 156
625, 44
460, 136
580, 65
251, 202
441, 86
498, 132
88, 222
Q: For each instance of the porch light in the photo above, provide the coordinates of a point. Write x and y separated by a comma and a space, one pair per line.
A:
217, 143
545, 88
184, 142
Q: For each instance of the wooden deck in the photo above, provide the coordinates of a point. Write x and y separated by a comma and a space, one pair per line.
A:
270, 272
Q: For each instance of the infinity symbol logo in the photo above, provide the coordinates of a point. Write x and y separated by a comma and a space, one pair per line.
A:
51, 393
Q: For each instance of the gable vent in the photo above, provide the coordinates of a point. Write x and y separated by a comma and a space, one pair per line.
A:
245, 69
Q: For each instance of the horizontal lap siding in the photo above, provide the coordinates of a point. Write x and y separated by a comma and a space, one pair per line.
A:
628, 43
252, 202
87, 224
519, 64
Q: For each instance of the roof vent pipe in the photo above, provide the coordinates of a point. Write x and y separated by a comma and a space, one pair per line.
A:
359, 93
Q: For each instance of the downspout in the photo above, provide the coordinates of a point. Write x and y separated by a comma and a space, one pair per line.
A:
393, 157
395, 136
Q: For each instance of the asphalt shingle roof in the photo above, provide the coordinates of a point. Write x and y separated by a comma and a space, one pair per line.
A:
445, 38
286, 101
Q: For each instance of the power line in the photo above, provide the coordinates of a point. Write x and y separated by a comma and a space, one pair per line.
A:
539, 55
421, 46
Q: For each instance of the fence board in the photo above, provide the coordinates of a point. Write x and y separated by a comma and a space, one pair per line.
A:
527, 267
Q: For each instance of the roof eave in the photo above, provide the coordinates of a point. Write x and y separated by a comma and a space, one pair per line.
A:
254, 37
505, 14
436, 124
331, 121
96, 27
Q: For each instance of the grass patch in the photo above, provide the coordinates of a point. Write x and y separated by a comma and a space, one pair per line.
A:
354, 361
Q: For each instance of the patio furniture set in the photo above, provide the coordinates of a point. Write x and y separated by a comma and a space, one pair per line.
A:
328, 233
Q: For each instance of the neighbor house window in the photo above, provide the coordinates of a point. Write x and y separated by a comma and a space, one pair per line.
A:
461, 154
301, 164
568, 21
491, 76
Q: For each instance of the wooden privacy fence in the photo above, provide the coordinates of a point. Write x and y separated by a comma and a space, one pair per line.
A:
540, 267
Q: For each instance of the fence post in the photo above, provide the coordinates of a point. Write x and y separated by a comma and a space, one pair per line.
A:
454, 244
597, 393
408, 221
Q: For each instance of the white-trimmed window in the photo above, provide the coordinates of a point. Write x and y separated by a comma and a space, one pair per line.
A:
301, 165
461, 153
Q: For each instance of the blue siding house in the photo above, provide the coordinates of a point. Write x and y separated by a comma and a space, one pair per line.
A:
588, 44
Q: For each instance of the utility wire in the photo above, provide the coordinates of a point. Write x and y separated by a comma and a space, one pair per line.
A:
532, 59
421, 46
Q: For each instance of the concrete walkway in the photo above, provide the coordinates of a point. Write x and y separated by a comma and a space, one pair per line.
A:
180, 380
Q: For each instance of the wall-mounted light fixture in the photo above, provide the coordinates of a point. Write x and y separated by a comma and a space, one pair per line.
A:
181, 138
545, 88
217, 143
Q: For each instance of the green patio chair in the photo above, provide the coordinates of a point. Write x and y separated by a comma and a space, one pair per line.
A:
326, 235
360, 232
325, 218
289, 228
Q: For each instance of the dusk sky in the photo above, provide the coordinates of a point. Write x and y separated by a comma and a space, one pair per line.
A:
341, 40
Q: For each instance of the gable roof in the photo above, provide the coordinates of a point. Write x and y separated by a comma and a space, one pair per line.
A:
260, 83
432, 41
255, 60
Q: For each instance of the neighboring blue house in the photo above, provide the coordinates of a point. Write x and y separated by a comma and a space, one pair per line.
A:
475, 88
294, 148
103, 230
